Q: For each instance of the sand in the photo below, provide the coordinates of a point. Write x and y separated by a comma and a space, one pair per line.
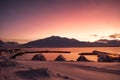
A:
55, 70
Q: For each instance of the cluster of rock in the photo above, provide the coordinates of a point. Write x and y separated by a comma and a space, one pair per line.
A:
60, 57
41, 57
105, 57
9, 53
8, 63
102, 56
34, 74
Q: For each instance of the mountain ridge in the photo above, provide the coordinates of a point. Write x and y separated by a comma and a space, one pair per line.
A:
56, 41
4, 45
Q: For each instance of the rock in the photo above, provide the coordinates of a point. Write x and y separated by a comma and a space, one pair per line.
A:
39, 57
104, 58
116, 59
8, 63
82, 59
60, 58
34, 74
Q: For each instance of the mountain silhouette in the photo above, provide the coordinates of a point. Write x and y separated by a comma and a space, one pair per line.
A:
53, 41
5, 45
56, 41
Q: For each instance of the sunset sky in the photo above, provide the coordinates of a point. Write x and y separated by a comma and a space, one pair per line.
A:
85, 20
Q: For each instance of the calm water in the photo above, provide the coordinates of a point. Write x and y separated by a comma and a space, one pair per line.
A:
69, 56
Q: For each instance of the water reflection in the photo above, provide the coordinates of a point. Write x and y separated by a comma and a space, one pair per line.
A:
72, 56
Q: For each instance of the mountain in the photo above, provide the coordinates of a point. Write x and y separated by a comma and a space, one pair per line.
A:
4, 45
56, 41
53, 41
111, 43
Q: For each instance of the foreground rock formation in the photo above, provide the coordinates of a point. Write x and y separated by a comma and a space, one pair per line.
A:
39, 57
82, 58
60, 58
106, 57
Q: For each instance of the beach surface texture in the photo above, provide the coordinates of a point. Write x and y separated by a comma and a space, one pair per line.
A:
58, 70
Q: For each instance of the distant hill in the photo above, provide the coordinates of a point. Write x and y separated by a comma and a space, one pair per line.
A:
111, 43
53, 41
4, 45
56, 41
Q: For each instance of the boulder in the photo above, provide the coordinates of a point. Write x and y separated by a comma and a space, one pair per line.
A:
82, 58
39, 57
104, 58
116, 59
60, 58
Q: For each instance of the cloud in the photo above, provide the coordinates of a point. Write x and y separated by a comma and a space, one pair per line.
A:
102, 41
103, 37
115, 36
15, 40
94, 35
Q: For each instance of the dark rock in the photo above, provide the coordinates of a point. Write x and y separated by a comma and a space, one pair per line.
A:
60, 58
116, 59
104, 58
33, 74
8, 63
18, 54
39, 57
82, 59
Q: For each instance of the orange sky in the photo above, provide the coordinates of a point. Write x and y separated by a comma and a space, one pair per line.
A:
26, 20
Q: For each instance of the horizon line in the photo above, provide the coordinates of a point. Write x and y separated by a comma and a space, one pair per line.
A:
23, 41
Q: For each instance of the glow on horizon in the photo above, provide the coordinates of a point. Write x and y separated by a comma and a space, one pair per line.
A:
79, 20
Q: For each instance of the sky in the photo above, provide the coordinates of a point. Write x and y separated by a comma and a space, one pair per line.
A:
84, 20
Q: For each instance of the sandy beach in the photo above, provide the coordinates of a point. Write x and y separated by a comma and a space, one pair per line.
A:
55, 70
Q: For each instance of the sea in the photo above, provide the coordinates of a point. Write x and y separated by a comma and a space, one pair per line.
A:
68, 56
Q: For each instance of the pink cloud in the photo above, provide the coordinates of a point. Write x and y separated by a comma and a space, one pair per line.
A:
116, 35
